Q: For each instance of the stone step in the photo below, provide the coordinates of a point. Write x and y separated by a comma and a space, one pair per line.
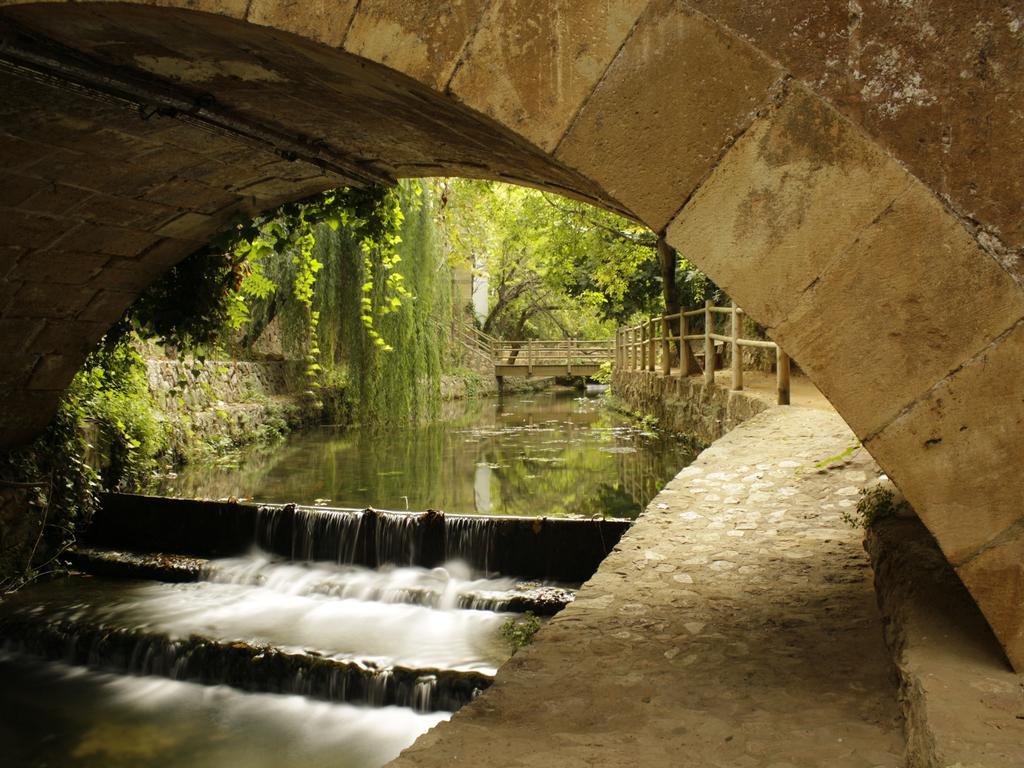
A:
555, 549
158, 566
242, 665
523, 597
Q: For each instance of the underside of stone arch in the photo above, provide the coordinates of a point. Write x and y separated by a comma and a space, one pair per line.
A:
850, 173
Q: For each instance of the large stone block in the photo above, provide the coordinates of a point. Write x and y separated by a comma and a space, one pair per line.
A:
325, 22
676, 96
16, 335
898, 310
420, 38
58, 199
124, 212
956, 452
793, 192
114, 241
191, 226
24, 413
54, 372
15, 369
168, 252
49, 300
996, 579
68, 337
28, 230
534, 62
125, 275
934, 83
186, 194
107, 306
59, 267
17, 189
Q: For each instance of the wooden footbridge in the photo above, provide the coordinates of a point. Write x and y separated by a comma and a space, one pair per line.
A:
538, 357
654, 345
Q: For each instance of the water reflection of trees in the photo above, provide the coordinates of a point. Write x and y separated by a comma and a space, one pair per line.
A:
539, 455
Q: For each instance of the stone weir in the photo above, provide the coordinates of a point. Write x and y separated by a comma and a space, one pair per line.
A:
557, 549
243, 665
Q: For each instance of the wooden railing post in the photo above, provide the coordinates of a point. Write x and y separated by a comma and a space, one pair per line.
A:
686, 359
643, 345
632, 348
642, 349
737, 351
644, 330
782, 375
666, 347
709, 343
652, 348
529, 358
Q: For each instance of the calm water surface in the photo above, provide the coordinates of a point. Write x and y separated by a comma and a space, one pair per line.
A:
551, 453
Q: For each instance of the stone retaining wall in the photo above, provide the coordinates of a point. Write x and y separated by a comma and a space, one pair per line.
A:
962, 704
178, 384
688, 406
462, 388
229, 400
236, 399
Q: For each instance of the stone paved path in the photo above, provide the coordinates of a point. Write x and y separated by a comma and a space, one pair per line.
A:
734, 626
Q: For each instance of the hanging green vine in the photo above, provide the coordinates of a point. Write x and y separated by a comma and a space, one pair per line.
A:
212, 291
385, 304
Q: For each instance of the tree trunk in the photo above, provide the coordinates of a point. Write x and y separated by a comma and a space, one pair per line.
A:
667, 260
670, 290
518, 335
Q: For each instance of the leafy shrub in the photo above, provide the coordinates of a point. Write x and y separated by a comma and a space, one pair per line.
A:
518, 631
876, 502
111, 391
471, 380
604, 373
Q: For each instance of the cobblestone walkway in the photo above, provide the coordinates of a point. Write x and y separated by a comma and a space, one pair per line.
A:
734, 626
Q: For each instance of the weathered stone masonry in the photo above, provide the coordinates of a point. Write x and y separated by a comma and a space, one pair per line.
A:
688, 405
848, 172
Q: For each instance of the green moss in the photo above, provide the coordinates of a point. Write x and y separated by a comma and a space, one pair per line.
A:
518, 631
473, 383
875, 503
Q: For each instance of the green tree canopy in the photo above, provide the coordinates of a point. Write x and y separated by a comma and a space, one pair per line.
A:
558, 266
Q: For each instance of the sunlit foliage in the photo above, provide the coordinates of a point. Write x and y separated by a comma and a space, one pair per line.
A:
557, 266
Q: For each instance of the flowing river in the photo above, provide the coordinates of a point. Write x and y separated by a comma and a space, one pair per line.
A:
288, 661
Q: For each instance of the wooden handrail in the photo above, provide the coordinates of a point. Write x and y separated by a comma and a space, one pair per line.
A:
568, 353
638, 347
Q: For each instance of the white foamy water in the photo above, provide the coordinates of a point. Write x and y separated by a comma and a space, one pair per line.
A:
435, 587
347, 628
54, 714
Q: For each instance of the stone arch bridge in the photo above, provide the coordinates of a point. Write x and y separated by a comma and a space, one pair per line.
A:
851, 172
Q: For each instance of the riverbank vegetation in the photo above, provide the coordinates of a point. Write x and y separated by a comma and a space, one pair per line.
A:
357, 288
